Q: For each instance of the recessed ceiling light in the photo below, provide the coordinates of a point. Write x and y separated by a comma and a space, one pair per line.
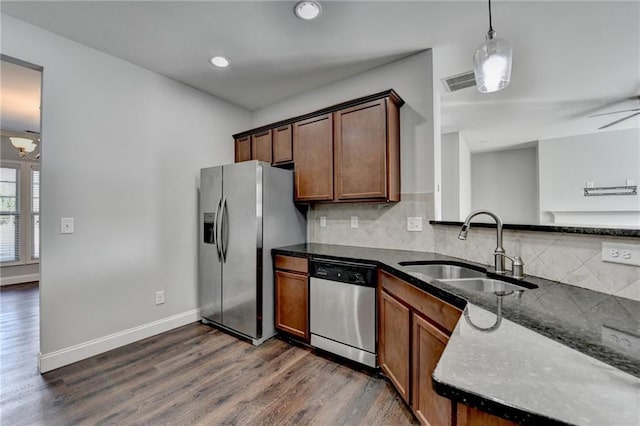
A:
219, 61
307, 10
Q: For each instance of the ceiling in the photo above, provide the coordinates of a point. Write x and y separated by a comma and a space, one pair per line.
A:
571, 59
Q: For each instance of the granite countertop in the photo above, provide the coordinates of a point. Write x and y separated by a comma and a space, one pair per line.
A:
552, 358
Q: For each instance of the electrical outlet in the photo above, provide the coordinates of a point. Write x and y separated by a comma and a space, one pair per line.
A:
159, 297
414, 224
625, 342
323, 221
628, 254
354, 221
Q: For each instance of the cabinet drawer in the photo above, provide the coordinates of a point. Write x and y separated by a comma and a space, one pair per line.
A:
291, 263
443, 314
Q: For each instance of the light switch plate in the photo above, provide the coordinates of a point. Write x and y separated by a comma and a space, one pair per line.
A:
628, 254
66, 225
323, 221
354, 221
414, 224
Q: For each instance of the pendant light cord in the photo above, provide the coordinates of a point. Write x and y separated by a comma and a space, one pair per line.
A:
490, 25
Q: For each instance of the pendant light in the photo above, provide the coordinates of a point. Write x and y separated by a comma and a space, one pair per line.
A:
492, 62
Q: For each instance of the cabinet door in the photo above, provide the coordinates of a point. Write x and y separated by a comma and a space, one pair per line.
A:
243, 149
467, 416
360, 139
261, 146
282, 149
428, 344
292, 304
313, 157
394, 340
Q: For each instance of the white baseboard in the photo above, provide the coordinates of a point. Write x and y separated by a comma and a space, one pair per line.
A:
60, 358
19, 279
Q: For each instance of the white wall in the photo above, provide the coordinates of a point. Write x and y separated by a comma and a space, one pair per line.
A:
411, 78
606, 159
465, 178
506, 182
450, 155
456, 177
121, 153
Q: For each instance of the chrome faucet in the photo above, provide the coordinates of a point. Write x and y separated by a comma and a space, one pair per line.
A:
499, 253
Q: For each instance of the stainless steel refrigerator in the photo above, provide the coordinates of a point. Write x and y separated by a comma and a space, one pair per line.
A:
246, 209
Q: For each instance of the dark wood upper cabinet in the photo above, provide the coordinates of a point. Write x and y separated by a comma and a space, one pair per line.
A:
361, 141
261, 146
282, 145
243, 149
344, 153
313, 159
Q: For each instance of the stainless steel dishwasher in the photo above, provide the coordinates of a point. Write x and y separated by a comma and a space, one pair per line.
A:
343, 309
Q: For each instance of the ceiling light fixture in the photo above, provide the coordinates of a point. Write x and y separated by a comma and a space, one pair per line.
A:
219, 61
307, 10
492, 62
25, 147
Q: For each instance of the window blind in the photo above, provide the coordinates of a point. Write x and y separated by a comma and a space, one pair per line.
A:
35, 214
9, 213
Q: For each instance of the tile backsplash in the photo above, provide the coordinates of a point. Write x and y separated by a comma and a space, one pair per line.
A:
379, 225
570, 258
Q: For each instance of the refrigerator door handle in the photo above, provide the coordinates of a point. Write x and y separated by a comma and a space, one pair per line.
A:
224, 236
217, 225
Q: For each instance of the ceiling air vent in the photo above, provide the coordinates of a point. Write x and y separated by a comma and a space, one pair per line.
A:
460, 81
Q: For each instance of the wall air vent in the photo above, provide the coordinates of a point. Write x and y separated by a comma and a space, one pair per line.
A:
460, 81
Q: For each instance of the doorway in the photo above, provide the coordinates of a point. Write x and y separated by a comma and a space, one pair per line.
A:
20, 156
20, 153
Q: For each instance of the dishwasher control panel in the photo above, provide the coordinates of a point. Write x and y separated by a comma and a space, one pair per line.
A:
346, 272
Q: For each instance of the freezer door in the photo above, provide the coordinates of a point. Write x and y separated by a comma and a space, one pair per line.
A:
241, 236
210, 279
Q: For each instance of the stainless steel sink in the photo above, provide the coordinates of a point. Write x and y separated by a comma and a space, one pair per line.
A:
464, 278
443, 272
483, 284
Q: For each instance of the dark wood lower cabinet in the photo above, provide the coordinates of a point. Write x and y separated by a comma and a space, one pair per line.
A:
292, 304
394, 342
468, 416
414, 329
428, 345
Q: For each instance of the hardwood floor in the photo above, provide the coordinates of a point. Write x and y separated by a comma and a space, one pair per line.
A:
191, 375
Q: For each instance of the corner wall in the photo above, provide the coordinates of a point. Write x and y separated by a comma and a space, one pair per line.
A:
121, 153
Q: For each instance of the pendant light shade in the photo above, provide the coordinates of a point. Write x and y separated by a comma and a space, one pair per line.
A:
492, 62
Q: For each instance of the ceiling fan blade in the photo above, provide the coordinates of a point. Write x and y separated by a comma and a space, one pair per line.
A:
614, 112
618, 121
